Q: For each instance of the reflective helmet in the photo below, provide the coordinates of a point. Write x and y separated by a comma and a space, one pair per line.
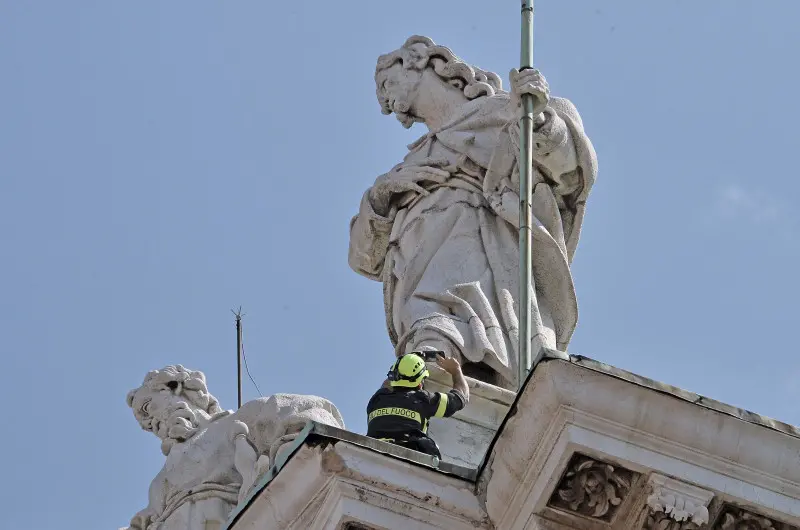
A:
408, 371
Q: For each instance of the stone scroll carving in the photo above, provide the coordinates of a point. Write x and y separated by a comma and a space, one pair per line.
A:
213, 456
675, 505
735, 518
592, 488
439, 230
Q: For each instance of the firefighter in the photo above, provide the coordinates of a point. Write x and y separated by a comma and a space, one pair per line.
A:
400, 410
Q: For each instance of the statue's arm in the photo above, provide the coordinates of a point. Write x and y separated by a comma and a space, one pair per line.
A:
554, 151
554, 146
141, 520
155, 506
369, 239
245, 457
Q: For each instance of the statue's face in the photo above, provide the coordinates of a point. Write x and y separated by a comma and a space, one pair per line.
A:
399, 86
165, 414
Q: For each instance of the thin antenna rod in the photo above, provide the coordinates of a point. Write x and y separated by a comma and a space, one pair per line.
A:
525, 193
238, 358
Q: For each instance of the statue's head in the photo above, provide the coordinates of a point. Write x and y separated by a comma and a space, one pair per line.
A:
398, 75
172, 403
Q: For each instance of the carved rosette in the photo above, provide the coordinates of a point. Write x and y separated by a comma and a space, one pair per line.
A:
734, 518
675, 505
592, 488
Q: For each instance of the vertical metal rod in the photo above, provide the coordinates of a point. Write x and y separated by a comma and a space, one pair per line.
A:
525, 193
239, 360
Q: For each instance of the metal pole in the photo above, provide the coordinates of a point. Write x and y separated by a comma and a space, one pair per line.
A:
239, 359
525, 193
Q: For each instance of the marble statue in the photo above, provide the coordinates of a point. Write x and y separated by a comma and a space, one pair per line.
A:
213, 456
440, 229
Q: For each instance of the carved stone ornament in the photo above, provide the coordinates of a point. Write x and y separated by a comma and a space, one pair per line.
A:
674, 505
663, 521
734, 518
592, 488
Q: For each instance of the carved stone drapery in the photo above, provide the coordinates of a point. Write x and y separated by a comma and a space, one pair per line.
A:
592, 488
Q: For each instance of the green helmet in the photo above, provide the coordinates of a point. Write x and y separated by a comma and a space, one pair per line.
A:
408, 371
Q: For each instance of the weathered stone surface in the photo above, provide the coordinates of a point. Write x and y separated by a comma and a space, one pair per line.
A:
357, 526
213, 456
440, 228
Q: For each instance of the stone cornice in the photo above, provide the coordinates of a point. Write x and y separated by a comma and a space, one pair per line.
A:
567, 408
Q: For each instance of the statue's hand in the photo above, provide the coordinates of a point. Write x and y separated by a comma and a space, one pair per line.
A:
141, 520
404, 179
529, 82
245, 456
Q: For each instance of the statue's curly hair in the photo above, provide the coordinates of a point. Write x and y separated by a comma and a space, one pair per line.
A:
182, 382
419, 52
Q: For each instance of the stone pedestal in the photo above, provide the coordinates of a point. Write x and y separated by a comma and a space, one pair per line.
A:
587, 447
464, 438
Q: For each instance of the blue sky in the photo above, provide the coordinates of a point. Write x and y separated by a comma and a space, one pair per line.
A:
164, 162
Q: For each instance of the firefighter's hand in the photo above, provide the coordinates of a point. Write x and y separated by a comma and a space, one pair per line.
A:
449, 364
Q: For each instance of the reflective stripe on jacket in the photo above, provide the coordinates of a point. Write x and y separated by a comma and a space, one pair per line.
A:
405, 412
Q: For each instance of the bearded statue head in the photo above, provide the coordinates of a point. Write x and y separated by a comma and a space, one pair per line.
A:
173, 403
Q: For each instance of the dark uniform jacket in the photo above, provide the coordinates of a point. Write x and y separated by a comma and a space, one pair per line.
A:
403, 413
